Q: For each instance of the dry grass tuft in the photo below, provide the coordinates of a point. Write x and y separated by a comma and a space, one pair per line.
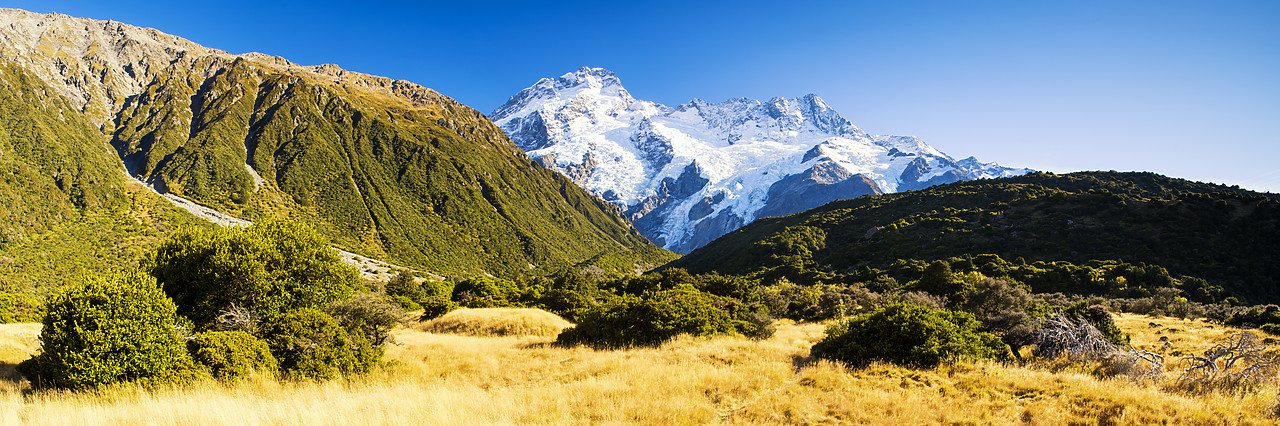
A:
497, 322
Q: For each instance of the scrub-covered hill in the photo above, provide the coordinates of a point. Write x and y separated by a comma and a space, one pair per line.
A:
1225, 235
385, 168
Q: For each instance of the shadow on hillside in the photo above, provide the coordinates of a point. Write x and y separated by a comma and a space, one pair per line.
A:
9, 373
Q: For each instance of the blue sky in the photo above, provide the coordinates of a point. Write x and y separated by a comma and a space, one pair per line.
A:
1186, 89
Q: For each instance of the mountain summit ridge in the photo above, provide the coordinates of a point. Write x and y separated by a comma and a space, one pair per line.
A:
693, 172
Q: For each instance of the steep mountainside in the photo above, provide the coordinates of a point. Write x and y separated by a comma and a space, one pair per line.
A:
66, 208
688, 174
384, 167
1228, 236
53, 163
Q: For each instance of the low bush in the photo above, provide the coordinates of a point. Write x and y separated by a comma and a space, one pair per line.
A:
483, 292
436, 307
310, 344
268, 268
566, 303
907, 335
404, 284
1255, 316
368, 314
656, 318
109, 329
232, 354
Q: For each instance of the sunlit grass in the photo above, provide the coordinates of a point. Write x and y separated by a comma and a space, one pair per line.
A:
459, 379
486, 322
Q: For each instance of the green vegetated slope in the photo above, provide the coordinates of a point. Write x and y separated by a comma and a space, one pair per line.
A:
54, 164
1225, 235
411, 176
65, 207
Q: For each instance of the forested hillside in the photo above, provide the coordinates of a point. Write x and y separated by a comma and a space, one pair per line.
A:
1224, 235
414, 177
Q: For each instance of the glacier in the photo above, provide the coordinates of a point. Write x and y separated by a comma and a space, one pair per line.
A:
688, 174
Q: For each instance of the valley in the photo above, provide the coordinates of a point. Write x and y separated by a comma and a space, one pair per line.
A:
189, 235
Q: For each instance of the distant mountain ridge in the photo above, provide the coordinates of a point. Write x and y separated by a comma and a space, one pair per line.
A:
688, 174
383, 167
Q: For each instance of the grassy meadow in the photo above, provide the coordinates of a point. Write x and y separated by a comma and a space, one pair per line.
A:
509, 372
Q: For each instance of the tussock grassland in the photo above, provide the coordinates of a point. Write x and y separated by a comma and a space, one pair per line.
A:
451, 379
496, 322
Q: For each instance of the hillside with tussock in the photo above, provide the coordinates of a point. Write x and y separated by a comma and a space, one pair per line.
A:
450, 379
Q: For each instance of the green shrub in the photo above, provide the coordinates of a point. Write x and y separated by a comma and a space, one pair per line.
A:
938, 279
404, 284
268, 268
1255, 316
437, 288
568, 304
907, 335
484, 292
310, 344
657, 317
232, 354
109, 329
368, 314
405, 303
436, 307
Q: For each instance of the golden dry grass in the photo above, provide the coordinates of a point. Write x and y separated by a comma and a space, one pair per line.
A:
1184, 337
452, 379
495, 322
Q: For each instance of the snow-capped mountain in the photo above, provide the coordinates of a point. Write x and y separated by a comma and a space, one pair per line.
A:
688, 174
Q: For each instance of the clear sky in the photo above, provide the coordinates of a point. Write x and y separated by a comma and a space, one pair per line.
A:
1182, 88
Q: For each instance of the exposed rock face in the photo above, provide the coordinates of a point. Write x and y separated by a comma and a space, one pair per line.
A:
819, 185
754, 159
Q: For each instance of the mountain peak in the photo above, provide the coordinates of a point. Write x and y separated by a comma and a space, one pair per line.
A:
586, 80
690, 173
588, 76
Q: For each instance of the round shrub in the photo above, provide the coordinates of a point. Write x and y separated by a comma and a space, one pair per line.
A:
310, 344
630, 320
907, 335
436, 307
109, 329
404, 284
368, 314
267, 268
232, 354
